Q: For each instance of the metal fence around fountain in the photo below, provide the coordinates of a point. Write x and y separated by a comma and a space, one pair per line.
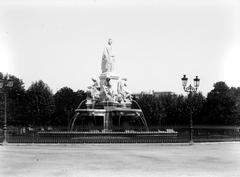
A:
154, 135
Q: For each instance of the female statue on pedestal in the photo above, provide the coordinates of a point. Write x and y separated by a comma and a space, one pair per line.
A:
108, 58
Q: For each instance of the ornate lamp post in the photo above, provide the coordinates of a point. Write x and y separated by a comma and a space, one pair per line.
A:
190, 89
5, 83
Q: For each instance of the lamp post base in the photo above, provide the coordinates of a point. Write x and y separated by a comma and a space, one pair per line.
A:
5, 136
4, 143
191, 142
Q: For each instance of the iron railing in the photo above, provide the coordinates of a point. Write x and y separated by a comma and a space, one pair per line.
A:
170, 134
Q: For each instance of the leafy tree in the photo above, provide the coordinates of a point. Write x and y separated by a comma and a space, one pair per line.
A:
66, 101
152, 108
220, 106
40, 103
16, 101
235, 92
81, 95
175, 109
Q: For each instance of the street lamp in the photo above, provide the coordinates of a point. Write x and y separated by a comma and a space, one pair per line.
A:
190, 89
5, 83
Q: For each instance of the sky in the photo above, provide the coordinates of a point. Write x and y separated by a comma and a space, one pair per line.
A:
155, 42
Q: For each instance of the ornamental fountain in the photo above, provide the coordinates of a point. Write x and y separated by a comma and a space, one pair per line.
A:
109, 101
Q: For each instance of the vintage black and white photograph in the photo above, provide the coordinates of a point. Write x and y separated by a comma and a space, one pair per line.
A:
119, 88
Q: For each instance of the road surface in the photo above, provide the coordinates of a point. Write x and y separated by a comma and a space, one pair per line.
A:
128, 160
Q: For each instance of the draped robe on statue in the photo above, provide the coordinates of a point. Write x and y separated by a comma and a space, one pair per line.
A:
107, 59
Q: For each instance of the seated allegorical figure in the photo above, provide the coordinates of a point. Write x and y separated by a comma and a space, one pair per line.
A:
107, 89
123, 91
94, 90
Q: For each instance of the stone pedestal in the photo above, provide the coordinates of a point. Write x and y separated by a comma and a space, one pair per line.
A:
106, 122
126, 105
107, 119
89, 103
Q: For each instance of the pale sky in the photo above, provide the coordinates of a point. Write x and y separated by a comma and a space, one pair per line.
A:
155, 42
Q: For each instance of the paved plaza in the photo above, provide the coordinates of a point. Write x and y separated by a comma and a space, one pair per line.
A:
89, 160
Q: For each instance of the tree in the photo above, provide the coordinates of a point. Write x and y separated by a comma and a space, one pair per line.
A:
40, 103
66, 101
152, 108
81, 95
177, 109
174, 109
16, 101
235, 92
220, 106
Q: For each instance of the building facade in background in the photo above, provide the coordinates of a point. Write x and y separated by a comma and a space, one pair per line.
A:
152, 92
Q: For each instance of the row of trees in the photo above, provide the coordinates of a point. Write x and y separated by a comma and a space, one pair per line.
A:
220, 107
39, 106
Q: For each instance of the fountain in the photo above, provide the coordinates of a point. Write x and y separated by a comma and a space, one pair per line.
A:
107, 114
109, 101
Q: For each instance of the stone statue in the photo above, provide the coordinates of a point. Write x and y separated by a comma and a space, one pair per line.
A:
94, 89
123, 91
108, 59
107, 88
